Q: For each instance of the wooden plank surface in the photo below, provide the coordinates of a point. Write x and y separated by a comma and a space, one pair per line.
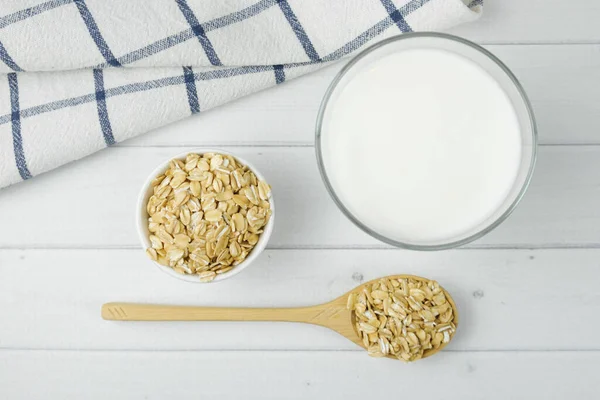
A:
294, 375
93, 203
507, 299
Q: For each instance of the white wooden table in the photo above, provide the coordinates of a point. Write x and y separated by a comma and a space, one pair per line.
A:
529, 293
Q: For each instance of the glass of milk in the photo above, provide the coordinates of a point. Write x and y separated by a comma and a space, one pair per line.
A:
426, 141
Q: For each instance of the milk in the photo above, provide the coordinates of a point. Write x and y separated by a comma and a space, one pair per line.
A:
422, 146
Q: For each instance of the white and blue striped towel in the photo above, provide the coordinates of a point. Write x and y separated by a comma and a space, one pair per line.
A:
77, 76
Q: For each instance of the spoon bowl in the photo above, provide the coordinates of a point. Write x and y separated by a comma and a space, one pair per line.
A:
333, 315
358, 289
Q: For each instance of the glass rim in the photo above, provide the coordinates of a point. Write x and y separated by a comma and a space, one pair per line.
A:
406, 245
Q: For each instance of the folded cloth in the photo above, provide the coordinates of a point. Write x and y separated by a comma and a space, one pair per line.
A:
79, 75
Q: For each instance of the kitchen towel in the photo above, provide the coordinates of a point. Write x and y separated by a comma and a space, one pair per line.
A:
77, 76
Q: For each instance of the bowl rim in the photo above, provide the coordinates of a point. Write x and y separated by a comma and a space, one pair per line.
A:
407, 245
142, 215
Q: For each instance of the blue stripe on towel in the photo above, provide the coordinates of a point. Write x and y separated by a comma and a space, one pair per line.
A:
199, 32
412, 6
7, 59
396, 16
310, 50
279, 74
109, 139
97, 37
238, 16
15, 117
190, 86
30, 12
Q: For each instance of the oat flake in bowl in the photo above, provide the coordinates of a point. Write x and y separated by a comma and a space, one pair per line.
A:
206, 216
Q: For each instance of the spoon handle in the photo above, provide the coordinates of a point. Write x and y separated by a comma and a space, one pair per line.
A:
151, 312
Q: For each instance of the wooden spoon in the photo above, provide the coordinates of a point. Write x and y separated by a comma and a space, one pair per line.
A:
333, 315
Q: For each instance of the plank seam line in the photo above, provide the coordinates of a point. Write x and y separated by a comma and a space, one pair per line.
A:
221, 144
585, 246
287, 145
540, 43
358, 350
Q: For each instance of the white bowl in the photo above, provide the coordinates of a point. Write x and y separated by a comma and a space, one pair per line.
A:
142, 218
